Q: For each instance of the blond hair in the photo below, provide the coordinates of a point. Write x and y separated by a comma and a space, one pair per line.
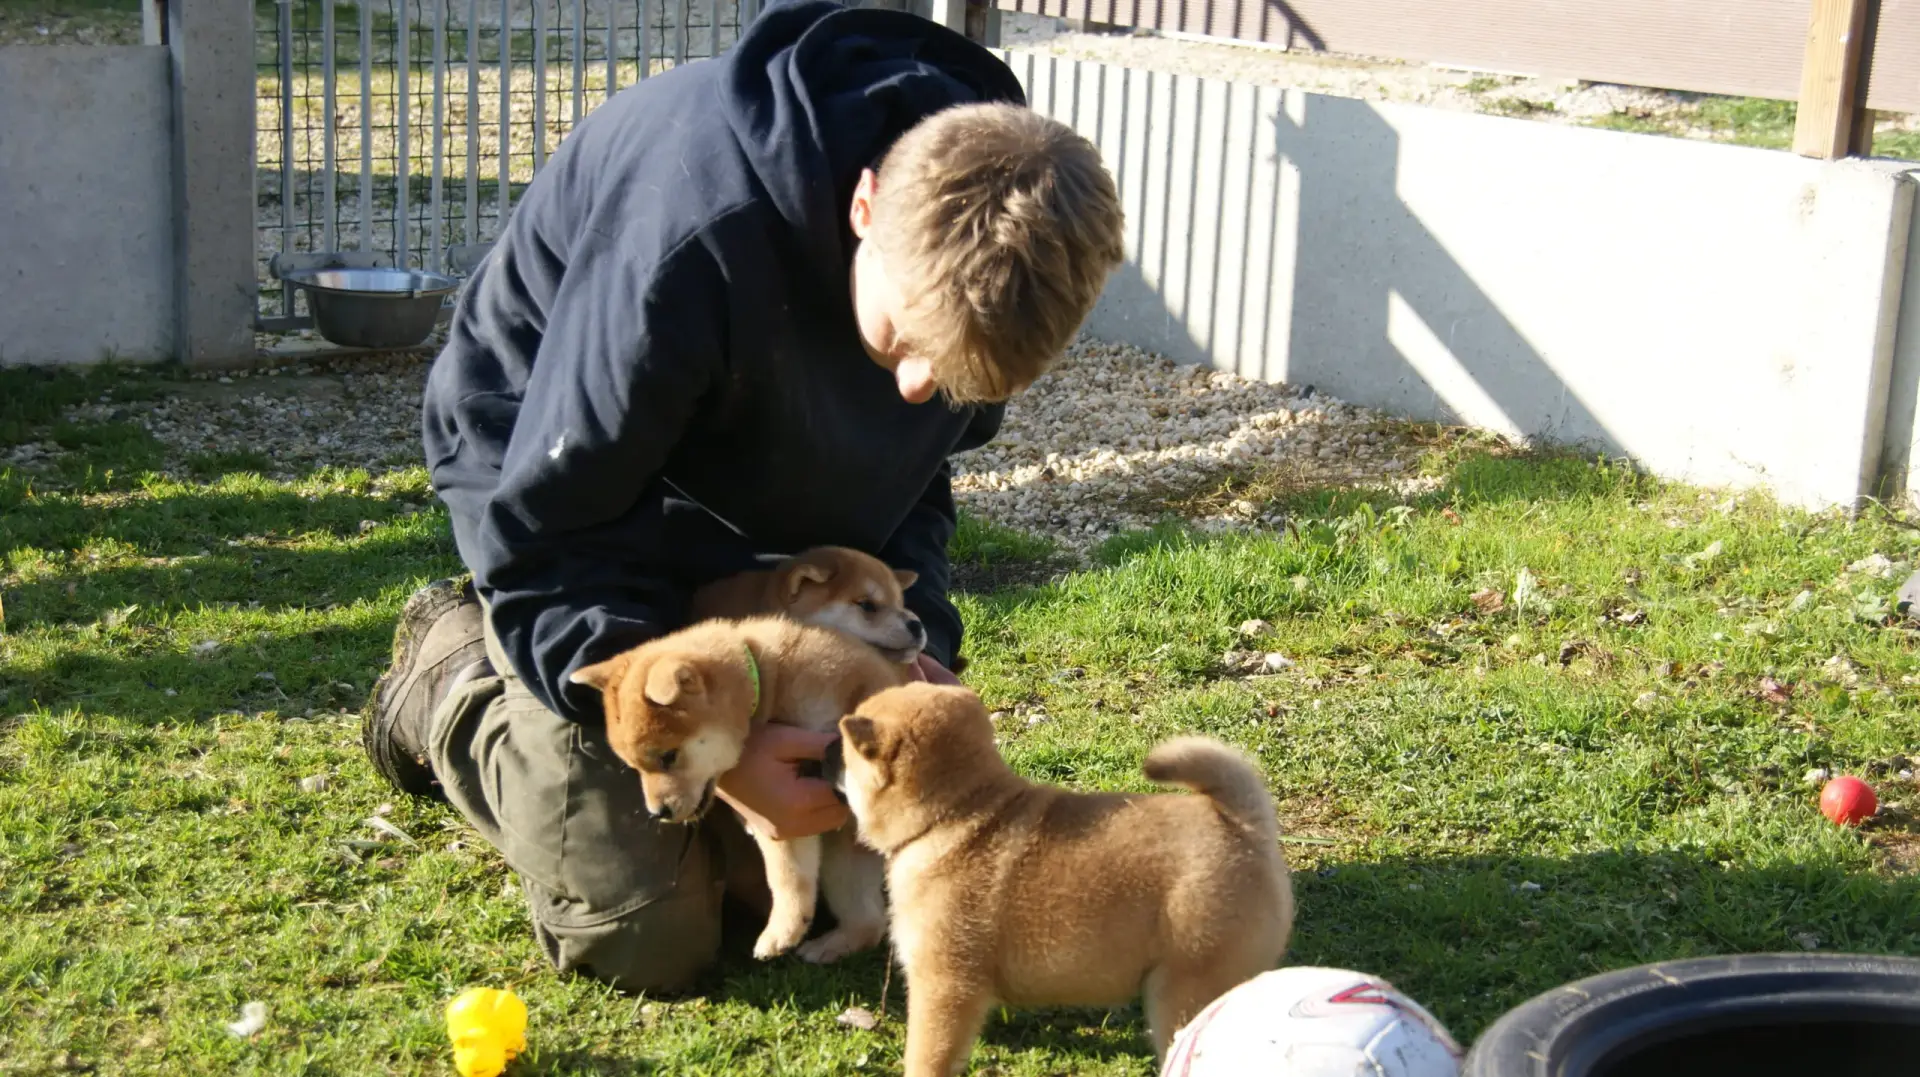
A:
1000, 226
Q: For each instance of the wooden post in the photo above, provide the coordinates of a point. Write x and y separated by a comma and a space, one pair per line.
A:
976, 25
1830, 79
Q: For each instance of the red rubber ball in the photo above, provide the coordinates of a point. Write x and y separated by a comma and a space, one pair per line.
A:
1848, 800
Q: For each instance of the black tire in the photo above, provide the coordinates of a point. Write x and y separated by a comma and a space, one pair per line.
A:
1757, 1015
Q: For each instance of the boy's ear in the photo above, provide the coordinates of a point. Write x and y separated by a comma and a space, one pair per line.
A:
907, 577
859, 734
671, 681
801, 574
860, 213
601, 674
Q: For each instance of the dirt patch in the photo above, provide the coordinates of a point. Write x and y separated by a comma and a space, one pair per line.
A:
1899, 850
975, 578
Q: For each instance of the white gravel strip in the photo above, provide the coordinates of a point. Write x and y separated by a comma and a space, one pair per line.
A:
1104, 440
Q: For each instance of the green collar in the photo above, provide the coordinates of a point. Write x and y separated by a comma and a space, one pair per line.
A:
753, 673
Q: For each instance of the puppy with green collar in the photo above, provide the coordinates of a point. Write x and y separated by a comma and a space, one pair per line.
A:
679, 710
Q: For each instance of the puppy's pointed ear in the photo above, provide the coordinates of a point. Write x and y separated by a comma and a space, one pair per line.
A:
859, 734
600, 674
671, 681
806, 572
907, 577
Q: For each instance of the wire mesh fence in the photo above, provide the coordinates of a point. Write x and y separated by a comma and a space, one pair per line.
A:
407, 128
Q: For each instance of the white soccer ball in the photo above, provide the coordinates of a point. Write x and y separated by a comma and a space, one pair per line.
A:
1313, 1022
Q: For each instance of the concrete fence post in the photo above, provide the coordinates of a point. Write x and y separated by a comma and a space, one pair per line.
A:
211, 46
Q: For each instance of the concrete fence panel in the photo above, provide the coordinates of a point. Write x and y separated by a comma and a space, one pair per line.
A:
1901, 479
86, 219
1723, 315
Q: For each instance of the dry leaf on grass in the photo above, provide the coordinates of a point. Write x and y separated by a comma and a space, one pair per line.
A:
859, 1017
1775, 692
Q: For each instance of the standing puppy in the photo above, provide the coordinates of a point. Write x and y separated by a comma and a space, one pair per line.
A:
1008, 892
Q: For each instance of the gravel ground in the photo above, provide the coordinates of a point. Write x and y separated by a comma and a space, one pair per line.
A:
1110, 440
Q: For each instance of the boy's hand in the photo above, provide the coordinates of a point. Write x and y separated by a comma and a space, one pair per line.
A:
926, 669
767, 790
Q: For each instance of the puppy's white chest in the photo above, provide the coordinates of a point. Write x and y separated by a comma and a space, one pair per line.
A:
817, 713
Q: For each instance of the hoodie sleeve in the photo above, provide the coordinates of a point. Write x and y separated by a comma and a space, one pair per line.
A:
631, 348
920, 544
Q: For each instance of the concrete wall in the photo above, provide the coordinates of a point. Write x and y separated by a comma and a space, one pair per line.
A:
86, 218
1724, 315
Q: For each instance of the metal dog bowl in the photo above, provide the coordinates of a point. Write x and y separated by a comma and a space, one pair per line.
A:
373, 308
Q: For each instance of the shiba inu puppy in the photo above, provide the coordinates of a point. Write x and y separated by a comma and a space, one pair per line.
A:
679, 709
830, 586
1008, 892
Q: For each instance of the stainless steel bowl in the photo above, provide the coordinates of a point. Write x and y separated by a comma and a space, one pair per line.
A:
373, 308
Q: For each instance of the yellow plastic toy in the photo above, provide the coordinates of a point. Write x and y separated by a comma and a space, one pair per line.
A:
488, 1027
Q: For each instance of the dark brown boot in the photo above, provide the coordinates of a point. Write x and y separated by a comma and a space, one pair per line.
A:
440, 642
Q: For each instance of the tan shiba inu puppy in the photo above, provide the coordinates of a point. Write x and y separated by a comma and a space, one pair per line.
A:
679, 709
830, 586
1006, 892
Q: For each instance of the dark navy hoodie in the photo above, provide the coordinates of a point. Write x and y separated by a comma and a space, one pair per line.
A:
656, 374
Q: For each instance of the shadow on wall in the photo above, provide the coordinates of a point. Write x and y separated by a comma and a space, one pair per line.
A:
1267, 235
1421, 338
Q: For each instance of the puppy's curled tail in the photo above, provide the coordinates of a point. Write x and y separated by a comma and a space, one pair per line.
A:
1220, 774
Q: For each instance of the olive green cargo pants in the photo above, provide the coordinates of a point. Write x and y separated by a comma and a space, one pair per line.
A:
612, 894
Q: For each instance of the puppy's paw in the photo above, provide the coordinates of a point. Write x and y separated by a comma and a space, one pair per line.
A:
841, 942
778, 938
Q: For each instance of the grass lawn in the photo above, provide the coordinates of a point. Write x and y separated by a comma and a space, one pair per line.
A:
1550, 719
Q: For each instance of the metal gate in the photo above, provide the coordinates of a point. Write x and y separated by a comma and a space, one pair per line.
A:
400, 132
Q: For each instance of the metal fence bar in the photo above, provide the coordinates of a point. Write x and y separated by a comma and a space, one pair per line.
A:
426, 230
285, 12
403, 159
435, 215
646, 41
329, 180
579, 59
473, 121
505, 165
539, 84
613, 48
366, 126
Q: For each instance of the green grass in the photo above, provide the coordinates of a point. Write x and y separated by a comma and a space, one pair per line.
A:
1519, 107
183, 647
1744, 121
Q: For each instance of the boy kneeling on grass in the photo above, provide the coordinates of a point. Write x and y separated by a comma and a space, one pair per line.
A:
713, 328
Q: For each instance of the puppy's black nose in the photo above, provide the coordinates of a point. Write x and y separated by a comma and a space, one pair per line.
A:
663, 814
917, 630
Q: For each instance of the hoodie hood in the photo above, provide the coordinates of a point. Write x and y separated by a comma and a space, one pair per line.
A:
816, 91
